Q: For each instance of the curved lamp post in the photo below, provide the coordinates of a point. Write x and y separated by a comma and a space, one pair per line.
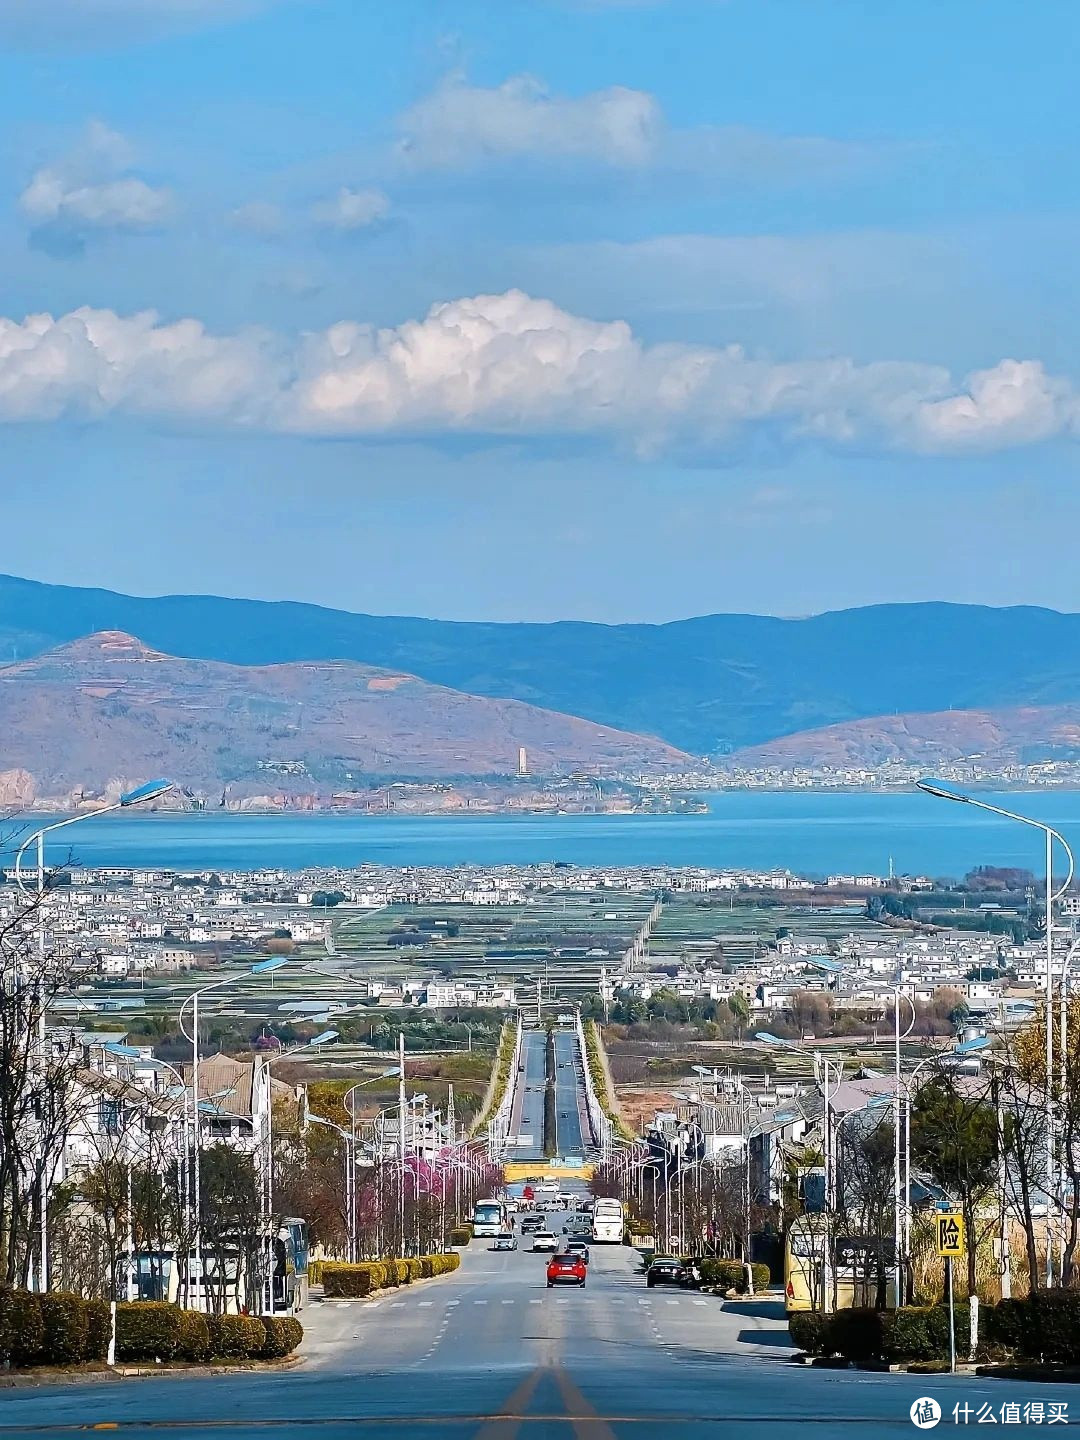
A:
941, 791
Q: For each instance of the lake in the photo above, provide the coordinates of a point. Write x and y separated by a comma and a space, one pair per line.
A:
812, 833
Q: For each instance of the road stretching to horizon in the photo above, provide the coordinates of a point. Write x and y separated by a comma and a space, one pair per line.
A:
491, 1353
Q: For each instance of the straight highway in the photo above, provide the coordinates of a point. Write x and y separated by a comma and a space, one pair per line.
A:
569, 1094
491, 1353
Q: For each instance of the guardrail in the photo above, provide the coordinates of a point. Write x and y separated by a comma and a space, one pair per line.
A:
601, 1126
498, 1130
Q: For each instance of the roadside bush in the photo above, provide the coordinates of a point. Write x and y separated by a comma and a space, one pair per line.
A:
22, 1328
731, 1274
352, 1282
193, 1338
294, 1333
856, 1334
235, 1337
809, 1330
1006, 1324
274, 1341
65, 1328
98, 1330
427, 1266
1045, 1326
146, 1330
416, 1268
460, 1235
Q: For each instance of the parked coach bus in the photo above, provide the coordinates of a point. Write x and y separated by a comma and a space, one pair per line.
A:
607, 1222
490, 1218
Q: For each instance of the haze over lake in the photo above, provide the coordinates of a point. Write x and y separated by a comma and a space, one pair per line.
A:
810, 833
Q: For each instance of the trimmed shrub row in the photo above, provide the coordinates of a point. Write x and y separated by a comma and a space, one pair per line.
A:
1043, 1327
52, 1329
353, 1282
461, 1235
155, 1330
731, 1274
60, 1329
862, 1335
1046, 1326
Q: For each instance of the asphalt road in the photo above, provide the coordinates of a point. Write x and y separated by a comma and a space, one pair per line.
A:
527, 1116
491, 1353
568, 1089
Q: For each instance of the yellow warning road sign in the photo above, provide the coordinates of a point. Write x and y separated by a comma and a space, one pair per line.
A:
950, 1236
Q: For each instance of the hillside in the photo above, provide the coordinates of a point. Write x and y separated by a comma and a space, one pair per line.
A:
708, 684
1001, 737
108, 708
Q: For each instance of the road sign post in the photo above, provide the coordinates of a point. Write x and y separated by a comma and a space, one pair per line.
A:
951, 1246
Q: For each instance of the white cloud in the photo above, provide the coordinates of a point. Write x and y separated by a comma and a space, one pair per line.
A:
460, 124
351, 210
512, 365
92, 189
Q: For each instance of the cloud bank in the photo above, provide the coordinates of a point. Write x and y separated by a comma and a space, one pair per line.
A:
511, 365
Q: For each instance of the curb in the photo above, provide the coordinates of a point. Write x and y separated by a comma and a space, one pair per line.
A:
30, 1379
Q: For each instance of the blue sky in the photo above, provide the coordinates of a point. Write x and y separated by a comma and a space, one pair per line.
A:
542, 308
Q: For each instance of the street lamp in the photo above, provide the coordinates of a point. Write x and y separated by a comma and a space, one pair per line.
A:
152, 790
264, 967
941, 791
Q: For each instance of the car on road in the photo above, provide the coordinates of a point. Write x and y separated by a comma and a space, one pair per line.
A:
532, 1222
578, 1247
566, 1270
544, 1240
665, 1270
505, 1242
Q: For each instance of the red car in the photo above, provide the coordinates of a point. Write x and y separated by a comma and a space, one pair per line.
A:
566, 1270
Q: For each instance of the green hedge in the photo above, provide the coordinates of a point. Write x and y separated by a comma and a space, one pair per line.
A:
864, 1336
236, 1337
461, 1235
281, 1335
193, 1337
66, 1326
61, 1329
808, 1329
731, 1274
1045, 1326
147, 1330
354, 1282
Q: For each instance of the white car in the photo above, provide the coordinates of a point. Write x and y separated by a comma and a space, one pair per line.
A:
544, 1240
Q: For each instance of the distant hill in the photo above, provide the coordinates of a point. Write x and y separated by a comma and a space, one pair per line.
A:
108, 708
709, 684
996, 737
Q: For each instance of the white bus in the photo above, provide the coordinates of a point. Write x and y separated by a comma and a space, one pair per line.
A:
607, 1222
490, 1217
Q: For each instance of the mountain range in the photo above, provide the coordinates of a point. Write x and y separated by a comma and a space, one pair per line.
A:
710, 685
106, 709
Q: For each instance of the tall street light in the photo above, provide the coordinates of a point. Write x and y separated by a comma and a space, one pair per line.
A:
941, 791
315, 1043
152, 790
264, 967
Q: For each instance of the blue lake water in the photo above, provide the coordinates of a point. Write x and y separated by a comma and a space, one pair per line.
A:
810, 833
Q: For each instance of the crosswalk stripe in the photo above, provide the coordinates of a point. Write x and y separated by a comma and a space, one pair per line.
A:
697, 1302
479, 1302
671, 1302
425, 1304
508, 1302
